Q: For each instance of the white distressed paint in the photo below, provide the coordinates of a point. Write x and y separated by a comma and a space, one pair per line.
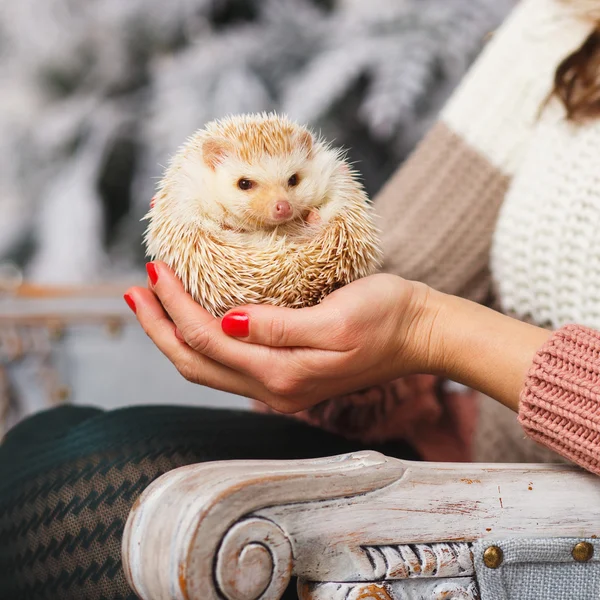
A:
348, 519
176, 529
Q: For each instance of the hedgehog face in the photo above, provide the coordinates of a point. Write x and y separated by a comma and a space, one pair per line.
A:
267, 186
267, 195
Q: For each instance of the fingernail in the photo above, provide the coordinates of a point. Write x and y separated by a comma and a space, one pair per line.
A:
236, 324
178, 335
153, 202
151, 269
130, 302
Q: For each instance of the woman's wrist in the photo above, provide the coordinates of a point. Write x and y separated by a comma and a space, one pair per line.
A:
481, 348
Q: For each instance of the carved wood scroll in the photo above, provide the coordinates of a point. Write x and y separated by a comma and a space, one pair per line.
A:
190, 536
371, 525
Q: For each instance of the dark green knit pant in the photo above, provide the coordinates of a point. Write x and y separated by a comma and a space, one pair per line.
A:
69, 476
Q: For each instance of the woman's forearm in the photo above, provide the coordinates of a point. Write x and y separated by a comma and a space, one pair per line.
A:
482, 348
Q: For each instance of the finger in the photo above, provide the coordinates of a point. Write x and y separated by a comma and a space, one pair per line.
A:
205, 335
198, 327
319, 327
197, 368
316, 327
192, 365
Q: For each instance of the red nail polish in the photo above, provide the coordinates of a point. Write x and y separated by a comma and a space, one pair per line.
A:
130, 302
236, 324
151, 269
153, 202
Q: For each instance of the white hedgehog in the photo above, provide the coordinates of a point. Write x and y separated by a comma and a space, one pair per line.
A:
255, 209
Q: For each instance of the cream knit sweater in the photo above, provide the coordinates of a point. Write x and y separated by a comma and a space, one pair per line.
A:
500, 203
440, 211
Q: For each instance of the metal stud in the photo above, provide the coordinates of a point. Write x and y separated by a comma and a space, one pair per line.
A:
582, 552
493, 557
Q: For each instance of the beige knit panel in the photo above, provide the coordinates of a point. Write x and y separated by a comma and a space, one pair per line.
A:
438, 214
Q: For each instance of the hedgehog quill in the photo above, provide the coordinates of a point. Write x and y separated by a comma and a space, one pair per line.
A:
257, 209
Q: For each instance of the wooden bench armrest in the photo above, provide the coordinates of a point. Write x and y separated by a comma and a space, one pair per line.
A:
239, 530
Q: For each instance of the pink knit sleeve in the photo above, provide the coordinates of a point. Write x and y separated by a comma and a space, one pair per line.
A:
560, 402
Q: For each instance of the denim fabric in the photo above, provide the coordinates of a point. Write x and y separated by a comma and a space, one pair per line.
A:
538, 569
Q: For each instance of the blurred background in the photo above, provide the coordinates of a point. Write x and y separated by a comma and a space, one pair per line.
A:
96, 95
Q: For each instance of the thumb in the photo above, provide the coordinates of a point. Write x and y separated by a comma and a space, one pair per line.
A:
277, 326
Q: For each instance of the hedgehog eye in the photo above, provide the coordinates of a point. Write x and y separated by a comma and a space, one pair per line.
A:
294, 180
245, 184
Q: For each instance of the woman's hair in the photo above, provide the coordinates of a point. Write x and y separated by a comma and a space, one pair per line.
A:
577, 80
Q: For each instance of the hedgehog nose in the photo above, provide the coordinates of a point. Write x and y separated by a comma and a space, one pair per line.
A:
283, 210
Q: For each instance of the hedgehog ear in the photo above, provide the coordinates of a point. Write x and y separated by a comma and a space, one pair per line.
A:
214, 152
306, 141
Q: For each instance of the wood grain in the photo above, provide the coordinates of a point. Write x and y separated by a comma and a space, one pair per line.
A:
180, 524
238, 530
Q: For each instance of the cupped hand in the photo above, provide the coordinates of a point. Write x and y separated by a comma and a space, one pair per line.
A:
373, 330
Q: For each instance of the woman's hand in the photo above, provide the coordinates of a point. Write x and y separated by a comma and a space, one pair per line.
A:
373, 330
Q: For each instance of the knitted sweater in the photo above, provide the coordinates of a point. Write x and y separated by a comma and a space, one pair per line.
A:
500, 204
